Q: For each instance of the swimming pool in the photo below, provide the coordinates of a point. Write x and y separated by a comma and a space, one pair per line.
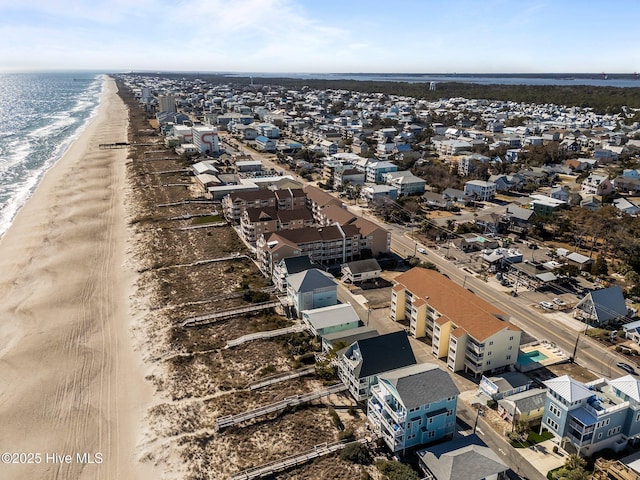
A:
531, 357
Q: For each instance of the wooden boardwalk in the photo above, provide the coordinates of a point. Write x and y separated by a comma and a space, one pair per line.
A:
217, 316
267, 334
230, 420
269, 469
281, 377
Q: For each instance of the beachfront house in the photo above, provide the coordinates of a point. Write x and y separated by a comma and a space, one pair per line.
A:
360, 364
332, 319
311, 289
413, 405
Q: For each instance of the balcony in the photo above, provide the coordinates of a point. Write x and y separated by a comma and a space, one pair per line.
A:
472, 357
474, 347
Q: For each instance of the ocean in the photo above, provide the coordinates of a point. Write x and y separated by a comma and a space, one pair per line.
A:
42, 113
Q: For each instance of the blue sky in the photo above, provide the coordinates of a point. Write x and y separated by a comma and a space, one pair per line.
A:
421, 36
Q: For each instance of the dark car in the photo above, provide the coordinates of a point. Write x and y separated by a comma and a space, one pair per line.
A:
626, 367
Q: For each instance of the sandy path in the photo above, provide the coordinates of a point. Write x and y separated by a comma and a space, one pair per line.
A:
70, 381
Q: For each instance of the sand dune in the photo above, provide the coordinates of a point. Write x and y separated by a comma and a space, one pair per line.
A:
70, 380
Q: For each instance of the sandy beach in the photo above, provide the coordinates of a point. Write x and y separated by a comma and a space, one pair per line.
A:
72, 391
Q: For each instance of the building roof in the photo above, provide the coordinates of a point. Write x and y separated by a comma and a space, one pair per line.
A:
310, 280
605, 304
629, 385
523, 402
383, 353
297, 264
336, 213
568, 388
362, 266
420, 384
251, 196
466, 458
330, 316
456, 304
320, 197
350, 336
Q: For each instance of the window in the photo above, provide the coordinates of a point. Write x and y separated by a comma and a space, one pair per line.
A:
432, 434
510, 347
489, 353
600, 435
552, 423
508, 357
553, 408
491, 343
430, 419
510, 338
638, 417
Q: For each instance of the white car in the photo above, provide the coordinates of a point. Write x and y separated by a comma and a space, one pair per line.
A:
422, 250
546, 305
559, 302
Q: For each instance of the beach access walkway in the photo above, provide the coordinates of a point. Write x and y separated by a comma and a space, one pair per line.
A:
230, 420
292, 461
266, 334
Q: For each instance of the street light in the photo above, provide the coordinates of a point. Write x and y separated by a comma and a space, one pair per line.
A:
475, 425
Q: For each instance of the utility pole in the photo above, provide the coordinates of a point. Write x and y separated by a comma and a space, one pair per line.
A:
475, 425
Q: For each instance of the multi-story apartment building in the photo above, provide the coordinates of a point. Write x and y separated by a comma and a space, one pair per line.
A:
288, 199
595, 415
375, 171
259, 221
205, 138
324, 245
406, 183
469, 332
413, 405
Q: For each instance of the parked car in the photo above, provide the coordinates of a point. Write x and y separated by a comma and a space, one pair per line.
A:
546, 305
626, 367
422, 250
559, 302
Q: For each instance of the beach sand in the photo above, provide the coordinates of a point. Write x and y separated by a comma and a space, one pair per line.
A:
71, 382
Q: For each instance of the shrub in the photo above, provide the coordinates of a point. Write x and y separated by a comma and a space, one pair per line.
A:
396, 470
335, 418
356, 453
347, 435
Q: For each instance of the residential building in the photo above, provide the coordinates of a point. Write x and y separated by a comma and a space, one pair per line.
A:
373, 193
466, 458
235, 203
265, 144
526, 406
324, 245
413, 405
360, 364
289, 266
332, 319
593, 416
205, 139
596, 185
311, 289
346, 337
480, 190
406, 182
260, 221
166, 103
375, 171
469, 332
599, 307
360, 270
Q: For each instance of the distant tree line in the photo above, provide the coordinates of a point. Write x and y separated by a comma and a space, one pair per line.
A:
601, 99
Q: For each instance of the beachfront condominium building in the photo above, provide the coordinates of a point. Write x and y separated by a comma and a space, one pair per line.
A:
205, 138
166, 103
324, 245
413, 405
286, 199
470, 333
595, 415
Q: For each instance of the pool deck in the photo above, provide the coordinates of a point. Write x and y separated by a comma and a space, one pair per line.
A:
554, 355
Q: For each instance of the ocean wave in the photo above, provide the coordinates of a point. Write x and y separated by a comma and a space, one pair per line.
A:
36, 139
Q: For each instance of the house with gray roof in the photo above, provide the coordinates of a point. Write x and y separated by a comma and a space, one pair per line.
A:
288, 266
413, 405
360, 364
466, 458
311, 289
331, 319
525, 406
360, 270
599, 307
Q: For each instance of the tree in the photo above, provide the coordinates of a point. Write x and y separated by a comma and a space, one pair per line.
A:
599, 267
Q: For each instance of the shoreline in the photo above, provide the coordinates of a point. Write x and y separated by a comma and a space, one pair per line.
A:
70, 379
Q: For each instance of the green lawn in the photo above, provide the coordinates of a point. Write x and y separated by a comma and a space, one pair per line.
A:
532, 439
